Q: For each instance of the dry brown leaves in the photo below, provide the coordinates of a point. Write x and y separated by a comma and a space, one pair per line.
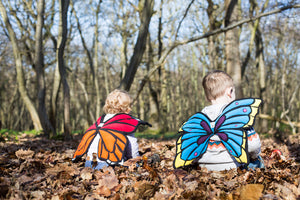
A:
37, 168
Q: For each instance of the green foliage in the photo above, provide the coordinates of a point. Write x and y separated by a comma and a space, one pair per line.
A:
8, 135
11, 135
32, 132
156, 134
77, 132
265, 135
285, 128
9, 132
58, 136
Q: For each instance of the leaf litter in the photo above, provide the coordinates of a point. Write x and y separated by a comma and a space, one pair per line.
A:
38, 168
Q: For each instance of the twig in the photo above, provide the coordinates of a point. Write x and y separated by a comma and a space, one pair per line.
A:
206, 35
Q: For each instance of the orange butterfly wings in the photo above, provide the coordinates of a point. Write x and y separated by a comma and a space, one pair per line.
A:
113, 139
111, 146
85, 143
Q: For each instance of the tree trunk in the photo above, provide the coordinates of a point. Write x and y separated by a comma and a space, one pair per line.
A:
255, 27
194, 78
146, 11
232, 43
56, 78
275, 90
163, 107
54, 96
98, 97
262, 78
298, 106
164, 101
153, 92
260, 63
20, 73
213, 24
61, 42
39, 67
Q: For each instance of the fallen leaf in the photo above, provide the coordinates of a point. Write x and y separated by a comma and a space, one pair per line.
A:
55, 197
103, 191
251, 191
24, 179
192, 185
110, 181
285, 192
4, 186
86, 173
38, 194
50, 170
145, 190
24, 154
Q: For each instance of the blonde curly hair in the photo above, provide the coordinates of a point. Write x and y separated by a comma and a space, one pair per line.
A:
118, 101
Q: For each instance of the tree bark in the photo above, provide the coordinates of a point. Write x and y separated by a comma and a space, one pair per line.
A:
61, 42
39, 68
96, 45
146, 11
260, 63
213, 24
232, 43
20, 73
163, 107
256, 37
56, 76
298, 106
54, 96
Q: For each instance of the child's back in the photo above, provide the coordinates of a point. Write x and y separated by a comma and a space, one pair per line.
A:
219, 150
111, 140
217, 157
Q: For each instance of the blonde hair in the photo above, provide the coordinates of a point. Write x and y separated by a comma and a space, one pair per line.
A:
215, 84
118, 101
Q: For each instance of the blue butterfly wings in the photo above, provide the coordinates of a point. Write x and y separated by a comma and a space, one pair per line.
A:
229, 126
195, 137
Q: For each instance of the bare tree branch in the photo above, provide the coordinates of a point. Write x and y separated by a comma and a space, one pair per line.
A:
206, 35
269, 117
185, 14
221, 30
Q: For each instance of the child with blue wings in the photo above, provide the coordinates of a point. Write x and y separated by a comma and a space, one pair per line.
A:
221, 136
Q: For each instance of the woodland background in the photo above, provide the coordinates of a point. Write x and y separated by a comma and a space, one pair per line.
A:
60, 58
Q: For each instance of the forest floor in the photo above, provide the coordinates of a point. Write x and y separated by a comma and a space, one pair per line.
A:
33, 167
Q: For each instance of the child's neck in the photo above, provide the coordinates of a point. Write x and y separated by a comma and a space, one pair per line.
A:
221, 100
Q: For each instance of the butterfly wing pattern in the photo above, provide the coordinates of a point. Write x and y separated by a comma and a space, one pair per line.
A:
193, 141
229, 126
113, 139
86, 140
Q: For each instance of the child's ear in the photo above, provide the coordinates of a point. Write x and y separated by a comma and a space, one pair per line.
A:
229, 92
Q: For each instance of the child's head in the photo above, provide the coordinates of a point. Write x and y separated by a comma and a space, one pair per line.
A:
117, 101
218, 84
